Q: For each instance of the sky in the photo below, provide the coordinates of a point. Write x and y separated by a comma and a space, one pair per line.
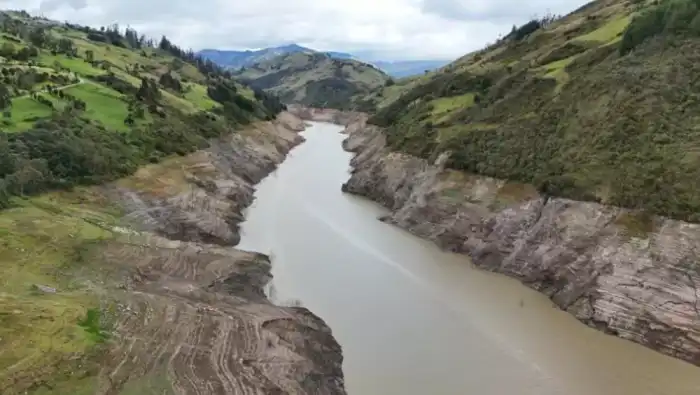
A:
385, 29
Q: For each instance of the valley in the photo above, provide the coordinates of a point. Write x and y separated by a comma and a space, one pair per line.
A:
136, 256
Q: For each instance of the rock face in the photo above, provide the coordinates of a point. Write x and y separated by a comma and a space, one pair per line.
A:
622, 272
192, 317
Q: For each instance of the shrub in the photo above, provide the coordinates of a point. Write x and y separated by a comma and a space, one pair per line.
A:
673, 17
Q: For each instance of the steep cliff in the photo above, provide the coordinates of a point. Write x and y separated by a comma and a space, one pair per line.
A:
631, 275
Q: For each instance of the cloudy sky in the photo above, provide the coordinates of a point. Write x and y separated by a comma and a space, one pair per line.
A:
395, 29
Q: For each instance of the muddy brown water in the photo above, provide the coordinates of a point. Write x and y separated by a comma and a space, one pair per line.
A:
415, 320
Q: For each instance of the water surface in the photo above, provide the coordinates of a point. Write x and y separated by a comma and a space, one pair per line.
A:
414, 320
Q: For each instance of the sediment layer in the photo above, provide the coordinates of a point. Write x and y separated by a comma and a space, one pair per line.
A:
614, 269
190, 314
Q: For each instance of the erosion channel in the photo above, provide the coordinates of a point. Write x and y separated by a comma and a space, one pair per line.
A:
415, 320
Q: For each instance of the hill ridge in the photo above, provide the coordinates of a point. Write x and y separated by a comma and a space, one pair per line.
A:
560, 103
314, 79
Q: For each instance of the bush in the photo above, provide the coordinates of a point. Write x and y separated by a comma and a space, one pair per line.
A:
673, 17
67, 151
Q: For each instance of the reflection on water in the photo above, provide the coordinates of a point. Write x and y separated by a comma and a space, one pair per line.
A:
415, 320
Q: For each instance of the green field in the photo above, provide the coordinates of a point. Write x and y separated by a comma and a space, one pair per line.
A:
443, 106
103, 104
609, 31
39, 248
197, 94
25, 112
76, 65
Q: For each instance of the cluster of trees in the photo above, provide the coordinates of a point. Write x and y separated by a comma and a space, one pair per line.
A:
169, 81
113, 81
234, 106
113, 35
9, 51
132, 38
205, 66
27, 78
42, 100
74, 102
136, 112
148, 91
521, 32
677, 17
66, 151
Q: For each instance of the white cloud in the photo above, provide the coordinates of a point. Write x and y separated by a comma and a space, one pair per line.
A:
392, 29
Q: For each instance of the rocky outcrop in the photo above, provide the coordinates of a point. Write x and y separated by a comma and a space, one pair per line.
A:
200, 197
191, 314
623, 272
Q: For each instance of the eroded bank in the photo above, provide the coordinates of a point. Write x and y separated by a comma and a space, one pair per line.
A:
185, 310
602, 264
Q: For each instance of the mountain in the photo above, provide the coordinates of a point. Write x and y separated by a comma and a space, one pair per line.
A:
314, 79
408, 68
238, 59
601, 104
397, 69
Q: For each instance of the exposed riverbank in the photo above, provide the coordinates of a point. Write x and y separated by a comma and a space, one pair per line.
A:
621, 273
214, 322
177, 308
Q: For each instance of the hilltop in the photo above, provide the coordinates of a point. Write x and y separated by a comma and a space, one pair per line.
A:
238, 59
395, 68
601, 105
314, 79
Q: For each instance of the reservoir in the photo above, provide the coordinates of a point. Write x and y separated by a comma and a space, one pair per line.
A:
415, 320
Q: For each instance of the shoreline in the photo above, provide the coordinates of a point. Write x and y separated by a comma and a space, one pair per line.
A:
177, 308
205, 216
583, 256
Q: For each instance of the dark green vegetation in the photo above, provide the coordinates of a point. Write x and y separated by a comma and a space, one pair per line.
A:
315, 79
677, 17
94, 325
90, 105
602, 104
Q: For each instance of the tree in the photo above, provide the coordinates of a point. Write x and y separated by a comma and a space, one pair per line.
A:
165, 44
5, 97
171, 82
148, 91
65, 46
90, 55
38, 37
7, 50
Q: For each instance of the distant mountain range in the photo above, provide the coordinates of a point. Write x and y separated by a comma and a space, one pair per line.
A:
240, 59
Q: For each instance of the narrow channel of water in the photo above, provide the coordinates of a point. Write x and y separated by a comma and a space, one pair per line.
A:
414, 320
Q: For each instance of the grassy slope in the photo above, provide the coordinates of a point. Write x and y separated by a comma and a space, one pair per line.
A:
104, 104
562, 109
43, 240
315, 79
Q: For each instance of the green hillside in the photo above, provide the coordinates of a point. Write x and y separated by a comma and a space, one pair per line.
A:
83, 105
601, 104
315, 79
